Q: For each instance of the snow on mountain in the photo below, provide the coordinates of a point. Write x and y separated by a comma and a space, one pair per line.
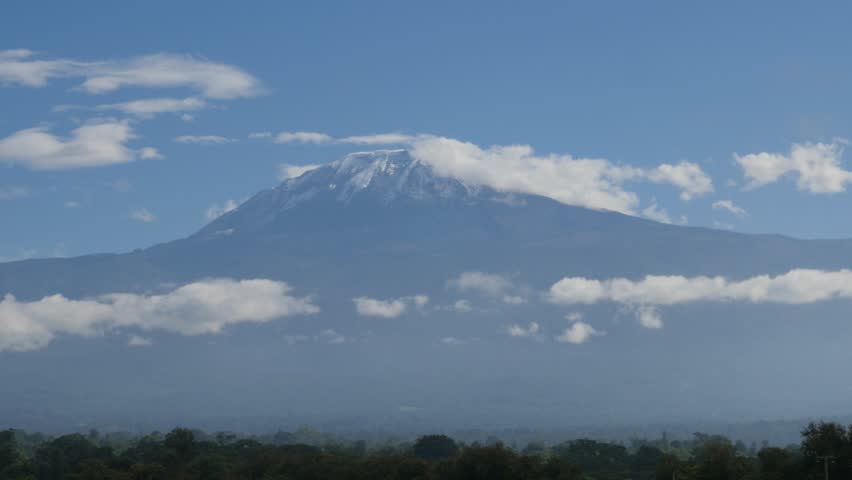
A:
380, 176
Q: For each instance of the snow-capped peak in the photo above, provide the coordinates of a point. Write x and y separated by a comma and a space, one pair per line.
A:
382, 174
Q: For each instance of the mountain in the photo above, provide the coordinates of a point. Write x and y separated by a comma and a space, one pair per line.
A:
384, 225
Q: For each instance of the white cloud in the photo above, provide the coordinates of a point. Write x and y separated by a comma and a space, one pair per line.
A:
530, 331
324, 138
72, 204
286, 171
689, 177
213, 80
205, 140
462, 306
391, 308
577, 333
514, 299
655, 213
453, 341
150, 153
143, 215
485, 283
331, 336
205, 307
816, 166
302, 137
14, 192
161, 70
137, 341
215, 211
649, 317
730, 207
378, 139
420, 301
592, 183
187, 117
152, 106
371, 307
800, 286
17, 67
92, 145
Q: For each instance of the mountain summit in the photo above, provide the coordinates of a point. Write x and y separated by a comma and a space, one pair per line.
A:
378, 177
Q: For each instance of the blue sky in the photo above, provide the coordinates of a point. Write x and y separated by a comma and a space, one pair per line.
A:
639, 85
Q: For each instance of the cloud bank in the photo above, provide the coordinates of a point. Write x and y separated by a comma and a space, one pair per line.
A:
205, 307
800, 286
586, 182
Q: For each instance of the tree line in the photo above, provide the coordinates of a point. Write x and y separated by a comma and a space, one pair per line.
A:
825, 448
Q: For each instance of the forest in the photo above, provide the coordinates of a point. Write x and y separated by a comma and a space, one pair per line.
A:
825, 451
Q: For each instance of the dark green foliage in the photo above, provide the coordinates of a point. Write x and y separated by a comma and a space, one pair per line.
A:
435, 447
186, 454
604, 461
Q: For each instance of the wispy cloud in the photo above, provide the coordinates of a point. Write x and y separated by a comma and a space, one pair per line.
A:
301, 137
462, 306
143, 215
729, 206
162, 70
205, 140
533, 330
138, 341
152, 106
217, 210
286, 171
655, 213
14, 192
485, 283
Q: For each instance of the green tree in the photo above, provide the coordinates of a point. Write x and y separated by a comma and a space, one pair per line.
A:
182, 442
435, 447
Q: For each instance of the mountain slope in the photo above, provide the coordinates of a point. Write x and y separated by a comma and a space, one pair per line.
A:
382, 225
388, 214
